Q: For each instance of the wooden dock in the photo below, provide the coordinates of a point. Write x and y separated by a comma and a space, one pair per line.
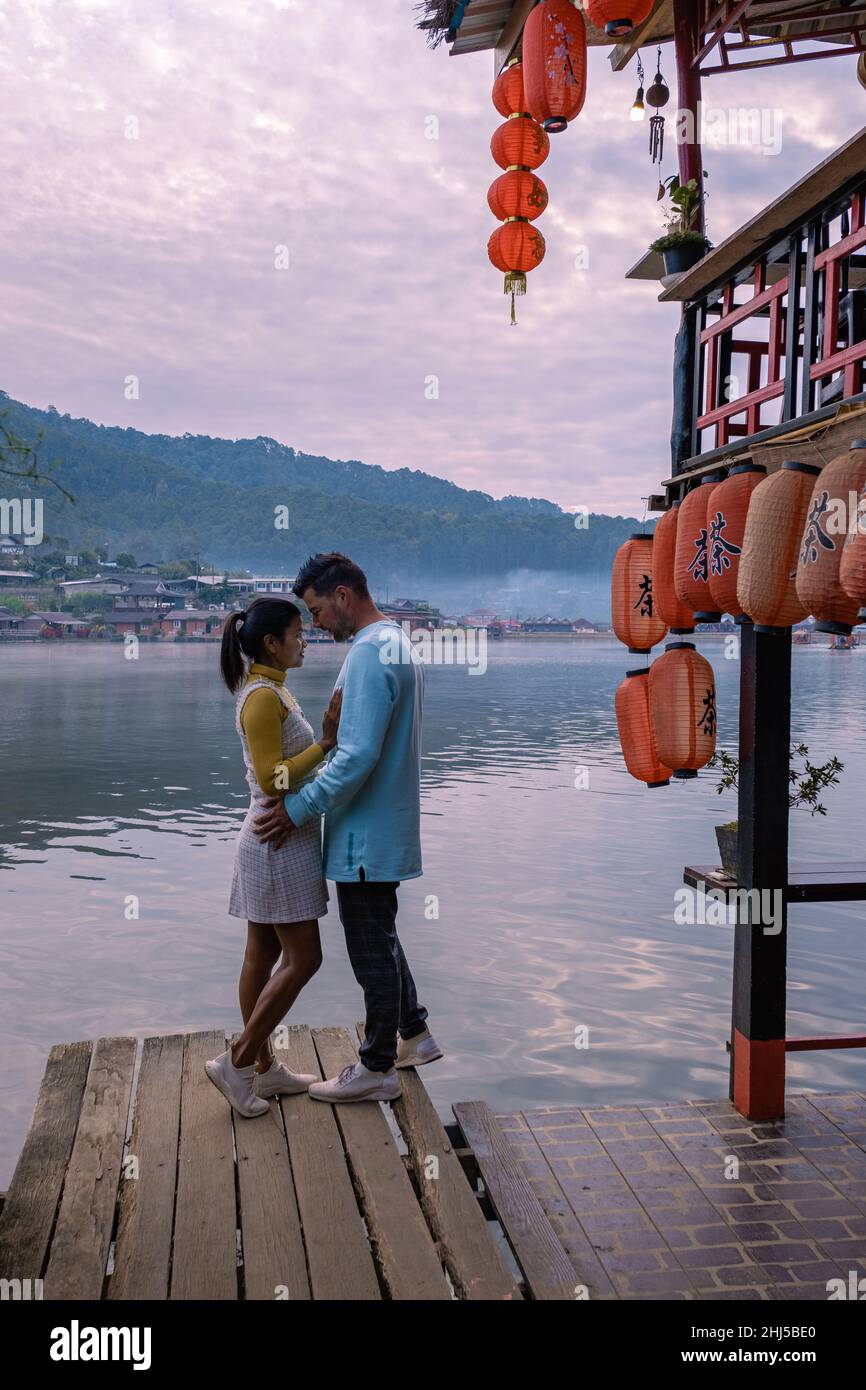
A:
135, 1182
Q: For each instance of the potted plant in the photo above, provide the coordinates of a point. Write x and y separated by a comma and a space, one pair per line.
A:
683, 244
806, 784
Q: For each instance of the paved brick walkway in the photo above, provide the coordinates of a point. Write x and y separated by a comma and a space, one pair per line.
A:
649, 1203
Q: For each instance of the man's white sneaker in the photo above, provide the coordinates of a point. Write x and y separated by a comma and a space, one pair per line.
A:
357, 1082
236, 1084
279, 1081
414, 1052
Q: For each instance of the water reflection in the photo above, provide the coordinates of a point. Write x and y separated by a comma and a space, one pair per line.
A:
123, 781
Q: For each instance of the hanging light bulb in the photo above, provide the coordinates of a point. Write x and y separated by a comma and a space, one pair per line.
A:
638, 110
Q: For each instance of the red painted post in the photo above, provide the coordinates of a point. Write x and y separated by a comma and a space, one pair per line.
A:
687, 42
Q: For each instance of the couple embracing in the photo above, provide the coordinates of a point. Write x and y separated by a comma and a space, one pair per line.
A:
363, 777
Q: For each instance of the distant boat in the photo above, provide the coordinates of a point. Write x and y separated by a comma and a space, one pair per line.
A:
844, 643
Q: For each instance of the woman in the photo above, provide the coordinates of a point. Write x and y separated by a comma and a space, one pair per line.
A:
280, 892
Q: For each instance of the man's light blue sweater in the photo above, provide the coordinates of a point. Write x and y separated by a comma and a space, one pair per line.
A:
369, 791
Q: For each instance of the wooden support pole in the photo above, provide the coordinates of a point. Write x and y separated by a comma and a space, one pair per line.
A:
687, 40
757, 1081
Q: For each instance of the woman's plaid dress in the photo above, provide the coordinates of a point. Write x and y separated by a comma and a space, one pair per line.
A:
286, 884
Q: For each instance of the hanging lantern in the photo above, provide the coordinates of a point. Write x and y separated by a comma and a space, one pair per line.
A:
636, 736
519, 143
516, 248
691, 567
852, 570
517, 193
635, 618
833, 507
726, 523
554, 63
676, 614
617, 17
508, 95
657, 96
766, 589
683, 708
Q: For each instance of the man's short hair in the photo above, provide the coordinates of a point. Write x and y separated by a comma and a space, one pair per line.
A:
325, 573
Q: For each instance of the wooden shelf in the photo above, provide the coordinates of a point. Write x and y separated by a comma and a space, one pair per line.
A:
807, 882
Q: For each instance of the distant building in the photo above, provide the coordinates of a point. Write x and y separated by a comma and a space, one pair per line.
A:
11, 545
416, 611
15, 579
72, 561
189, 622
546, 626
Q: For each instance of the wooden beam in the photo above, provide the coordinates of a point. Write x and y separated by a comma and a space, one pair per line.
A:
512, 34
658, 25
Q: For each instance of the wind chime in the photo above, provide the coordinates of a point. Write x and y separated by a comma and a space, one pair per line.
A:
657, 96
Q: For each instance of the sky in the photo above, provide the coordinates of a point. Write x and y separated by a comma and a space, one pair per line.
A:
238, 203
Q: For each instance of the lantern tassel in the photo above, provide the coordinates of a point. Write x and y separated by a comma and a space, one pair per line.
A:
515, 283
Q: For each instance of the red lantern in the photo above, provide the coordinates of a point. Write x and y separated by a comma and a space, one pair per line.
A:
726, 525
517, 193
691, 573
617, 17
554, 63
636, 732
671, 610
766, 588
852, 570
508, 95
683, 708
519, 143
516, 247
635, 618
832, 515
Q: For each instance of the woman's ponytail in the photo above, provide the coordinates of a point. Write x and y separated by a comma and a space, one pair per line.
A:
244, 634
231, 657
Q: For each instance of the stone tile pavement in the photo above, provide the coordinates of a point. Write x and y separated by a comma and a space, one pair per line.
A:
693, 1201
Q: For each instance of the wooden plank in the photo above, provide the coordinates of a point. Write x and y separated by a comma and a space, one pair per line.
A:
204, 1264
511, 34
142, 1255
548, 1271
82, 1236
774, 221
405, 1254
34, 1192
338, 1254
273, 1247
477, 1267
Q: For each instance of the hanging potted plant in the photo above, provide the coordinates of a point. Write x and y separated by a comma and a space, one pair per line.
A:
683, 244
806, 784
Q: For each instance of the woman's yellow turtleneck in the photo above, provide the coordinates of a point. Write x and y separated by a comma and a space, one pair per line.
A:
262, 722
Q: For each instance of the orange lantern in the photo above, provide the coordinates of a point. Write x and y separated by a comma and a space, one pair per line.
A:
517, 193
633, 613
508, 95
691, 568
519, 143
554, 63
682, 689
832, 515
726, 523
766, 589
671, 610
852, 570
617, 17
516, 247
631, 703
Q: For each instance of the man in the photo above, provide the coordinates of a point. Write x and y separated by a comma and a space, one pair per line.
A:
369, 794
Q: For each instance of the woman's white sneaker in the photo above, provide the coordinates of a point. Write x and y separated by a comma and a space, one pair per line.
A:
357, 1082
414, 1052
279, 1081
236, 1084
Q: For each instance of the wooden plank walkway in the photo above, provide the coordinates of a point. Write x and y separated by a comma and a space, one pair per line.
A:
685, 1201
309, 1202
136, 1182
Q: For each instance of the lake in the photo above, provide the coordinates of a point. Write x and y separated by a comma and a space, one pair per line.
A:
123, 779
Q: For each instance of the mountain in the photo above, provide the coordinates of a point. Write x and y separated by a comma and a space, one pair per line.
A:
163, 496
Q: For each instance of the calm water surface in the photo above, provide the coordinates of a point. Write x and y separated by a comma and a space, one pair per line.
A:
124, 778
